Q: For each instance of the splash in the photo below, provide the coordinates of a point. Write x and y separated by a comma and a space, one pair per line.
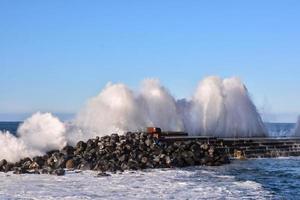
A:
12, 148
43, 132
223, 108
119, 109
219, 107
37, 135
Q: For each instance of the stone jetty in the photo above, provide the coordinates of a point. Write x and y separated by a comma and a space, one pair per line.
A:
131, 151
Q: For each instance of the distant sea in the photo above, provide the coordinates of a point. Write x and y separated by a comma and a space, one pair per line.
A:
9, 126
274, 129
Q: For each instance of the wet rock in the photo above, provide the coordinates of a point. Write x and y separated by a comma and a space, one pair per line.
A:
3, 163
39, 160
68, 151
132, 151
148, 142
103, 174
144, 160
80, 146
20, 170
59, 172
34, 165
85, 166
47, 170
70, 164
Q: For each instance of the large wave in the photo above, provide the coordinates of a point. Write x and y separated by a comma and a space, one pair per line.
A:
38, 134
219, 107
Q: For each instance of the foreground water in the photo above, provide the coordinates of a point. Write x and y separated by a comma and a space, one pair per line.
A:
252, 179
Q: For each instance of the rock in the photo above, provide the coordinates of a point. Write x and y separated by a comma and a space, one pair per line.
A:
3, 163
35, 172
115, 137
70, 164
148, 142
81, 146
49, 153
168, 160
122, 158
124, 166
144, 160
103, 174
211, 151
85, 166
47, 170
34, 165
59, 172
20, 170
68, 151
132, 151
8, 167
39, 160
204, 146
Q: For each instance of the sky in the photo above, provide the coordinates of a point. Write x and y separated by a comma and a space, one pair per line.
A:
54, 55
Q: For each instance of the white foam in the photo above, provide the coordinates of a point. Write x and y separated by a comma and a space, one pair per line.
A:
38, 134
155, 184
43, 131
223, 108
12, 148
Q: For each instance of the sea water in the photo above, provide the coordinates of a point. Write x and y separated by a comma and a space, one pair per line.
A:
277, 178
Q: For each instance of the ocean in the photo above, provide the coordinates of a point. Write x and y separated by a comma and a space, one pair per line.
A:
276, 178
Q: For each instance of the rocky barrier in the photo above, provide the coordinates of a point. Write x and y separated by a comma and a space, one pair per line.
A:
131, 151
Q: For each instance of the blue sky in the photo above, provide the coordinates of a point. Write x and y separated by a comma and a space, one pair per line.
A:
54, 55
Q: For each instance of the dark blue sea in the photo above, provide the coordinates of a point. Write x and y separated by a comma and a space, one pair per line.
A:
276, 178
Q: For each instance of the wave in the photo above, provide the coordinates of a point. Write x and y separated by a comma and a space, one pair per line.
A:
219, 107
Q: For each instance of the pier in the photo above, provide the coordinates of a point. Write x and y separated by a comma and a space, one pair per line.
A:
239, 148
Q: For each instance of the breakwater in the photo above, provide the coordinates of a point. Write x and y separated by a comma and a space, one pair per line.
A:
151, 149
242, 148
131, 151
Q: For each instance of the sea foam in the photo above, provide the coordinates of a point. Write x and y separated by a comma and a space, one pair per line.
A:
38, 134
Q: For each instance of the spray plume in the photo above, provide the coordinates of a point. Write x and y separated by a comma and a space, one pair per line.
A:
219, 107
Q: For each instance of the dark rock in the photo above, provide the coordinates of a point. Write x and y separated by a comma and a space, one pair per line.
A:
49, 153
103, 174
47, 170
59, 172
81, 146
20, 170
144, 160
8, 167
85, 166
68, 151
123, 157
3, 163
132, 151
39, 160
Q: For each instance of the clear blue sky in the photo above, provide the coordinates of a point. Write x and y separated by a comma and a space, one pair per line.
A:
54, 55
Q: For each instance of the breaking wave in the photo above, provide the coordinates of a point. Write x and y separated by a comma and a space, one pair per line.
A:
219, 107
